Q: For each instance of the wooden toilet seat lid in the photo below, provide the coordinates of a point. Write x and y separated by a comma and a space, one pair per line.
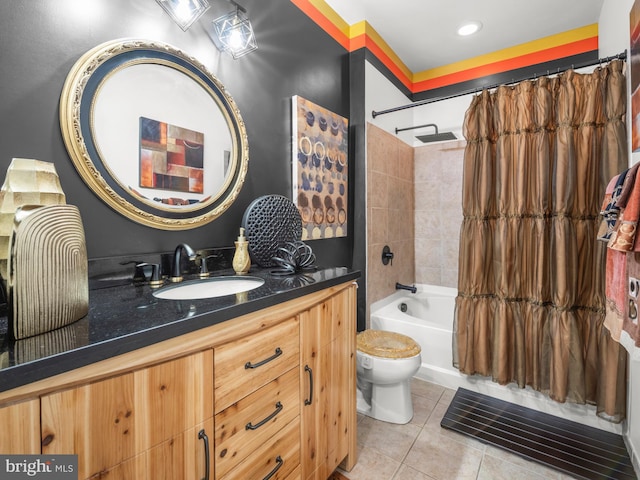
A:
380, 343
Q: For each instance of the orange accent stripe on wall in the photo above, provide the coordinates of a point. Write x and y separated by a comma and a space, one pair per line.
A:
522, 61
358, 42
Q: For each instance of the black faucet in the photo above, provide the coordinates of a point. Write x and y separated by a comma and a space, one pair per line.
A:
176, 271
155, 279
411, 288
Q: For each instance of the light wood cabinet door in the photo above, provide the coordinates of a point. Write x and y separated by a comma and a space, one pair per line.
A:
185, 456
135, 468
96, 422
182, 457
327, 379
172, 397
20, 432
113, 420
341, 396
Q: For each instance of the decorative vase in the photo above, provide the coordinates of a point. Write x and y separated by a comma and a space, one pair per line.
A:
48, 285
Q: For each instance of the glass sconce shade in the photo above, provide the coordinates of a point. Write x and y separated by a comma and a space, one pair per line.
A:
184, 12
234, 34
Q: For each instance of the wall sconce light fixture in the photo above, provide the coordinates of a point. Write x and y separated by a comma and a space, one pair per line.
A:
234, 33
184, 12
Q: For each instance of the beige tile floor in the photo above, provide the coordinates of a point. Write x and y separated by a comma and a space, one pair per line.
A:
422, 450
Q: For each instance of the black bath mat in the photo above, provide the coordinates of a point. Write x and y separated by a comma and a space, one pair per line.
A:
572, 448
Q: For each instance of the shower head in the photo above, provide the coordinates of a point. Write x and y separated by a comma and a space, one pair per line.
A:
434, 137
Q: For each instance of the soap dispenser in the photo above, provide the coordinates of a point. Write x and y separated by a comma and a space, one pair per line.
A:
241, 260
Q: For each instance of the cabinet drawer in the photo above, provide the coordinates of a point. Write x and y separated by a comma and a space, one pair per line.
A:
249, 423
280, 456
243, 366
296, 474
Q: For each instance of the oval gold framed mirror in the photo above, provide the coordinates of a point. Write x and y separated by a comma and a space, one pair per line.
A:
154, 134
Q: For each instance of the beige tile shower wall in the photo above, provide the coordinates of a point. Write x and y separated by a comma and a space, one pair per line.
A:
390, 213
438, 212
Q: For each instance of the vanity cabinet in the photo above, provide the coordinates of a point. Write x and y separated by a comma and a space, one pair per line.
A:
328, 352
270, 393
146, 411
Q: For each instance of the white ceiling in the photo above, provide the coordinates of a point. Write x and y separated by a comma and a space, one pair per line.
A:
423, 32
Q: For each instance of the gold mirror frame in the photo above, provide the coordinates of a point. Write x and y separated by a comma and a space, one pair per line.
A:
77, 103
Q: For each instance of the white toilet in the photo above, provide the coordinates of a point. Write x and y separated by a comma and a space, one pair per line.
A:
386, 361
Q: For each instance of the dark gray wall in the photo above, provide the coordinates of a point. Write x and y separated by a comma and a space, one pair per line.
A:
359, 178
40, 40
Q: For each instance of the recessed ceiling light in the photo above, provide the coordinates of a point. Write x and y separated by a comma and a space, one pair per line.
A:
469, 28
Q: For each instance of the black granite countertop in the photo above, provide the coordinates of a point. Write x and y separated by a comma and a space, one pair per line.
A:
128, 317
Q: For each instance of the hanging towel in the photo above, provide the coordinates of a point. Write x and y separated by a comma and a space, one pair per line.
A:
630, 334
621, 215
610, 209
615, 292
628, 185
624, 236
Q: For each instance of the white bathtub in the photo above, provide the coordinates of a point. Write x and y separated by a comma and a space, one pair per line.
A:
428, 319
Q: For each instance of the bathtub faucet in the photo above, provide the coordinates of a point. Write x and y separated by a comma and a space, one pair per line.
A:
411, 288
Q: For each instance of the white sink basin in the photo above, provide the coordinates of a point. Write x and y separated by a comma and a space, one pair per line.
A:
208, 288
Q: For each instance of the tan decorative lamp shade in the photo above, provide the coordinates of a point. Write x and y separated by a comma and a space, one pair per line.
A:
28, 182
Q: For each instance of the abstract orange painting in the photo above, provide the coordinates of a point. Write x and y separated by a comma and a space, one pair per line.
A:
171, 157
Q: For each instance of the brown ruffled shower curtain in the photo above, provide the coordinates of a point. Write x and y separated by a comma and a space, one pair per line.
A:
531, 303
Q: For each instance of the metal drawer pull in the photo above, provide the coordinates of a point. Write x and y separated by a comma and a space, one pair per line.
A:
250, 426
279, 462
266, 360
309, 401
207, 467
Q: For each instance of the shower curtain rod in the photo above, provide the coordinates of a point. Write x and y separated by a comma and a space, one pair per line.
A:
620, 56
